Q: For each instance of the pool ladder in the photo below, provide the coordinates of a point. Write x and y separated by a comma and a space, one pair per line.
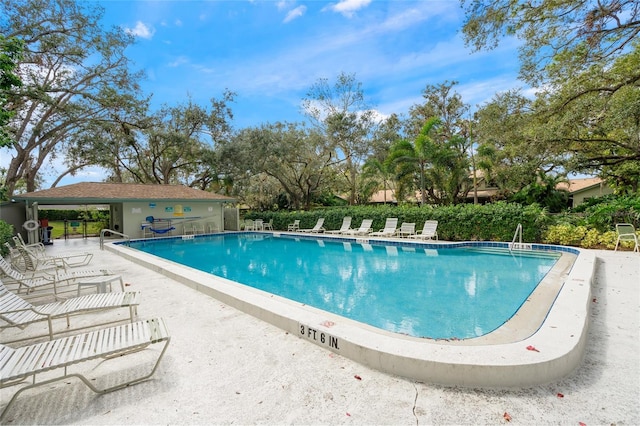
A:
518, 236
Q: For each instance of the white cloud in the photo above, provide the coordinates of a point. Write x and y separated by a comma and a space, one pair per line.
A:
421, 12
179, 61
284, 4
178, 23
477, 93
348, 7
378, 116
293, 68
141, 30
395, 78
295, 13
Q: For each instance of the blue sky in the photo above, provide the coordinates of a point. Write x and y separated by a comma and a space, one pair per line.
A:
270, 53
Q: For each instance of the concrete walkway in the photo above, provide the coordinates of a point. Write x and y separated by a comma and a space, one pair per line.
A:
225, 367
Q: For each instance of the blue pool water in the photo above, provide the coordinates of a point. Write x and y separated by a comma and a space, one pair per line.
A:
452, 293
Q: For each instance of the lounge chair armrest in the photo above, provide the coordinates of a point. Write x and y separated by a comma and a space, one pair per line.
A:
25, 309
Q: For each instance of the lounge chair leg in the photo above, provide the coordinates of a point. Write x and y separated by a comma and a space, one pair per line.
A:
86, 382
51, 327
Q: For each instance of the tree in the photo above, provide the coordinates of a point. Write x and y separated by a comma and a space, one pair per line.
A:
595, 116
544, 192
583, 58
448, 176
103, 142
74, 73
572, 34
174, 146
298, 158
342, 115
388, 130
417, 157
440, 101
376, 174
510, 152
10, 54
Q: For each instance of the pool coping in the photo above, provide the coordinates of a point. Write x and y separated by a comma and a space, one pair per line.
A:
550, 353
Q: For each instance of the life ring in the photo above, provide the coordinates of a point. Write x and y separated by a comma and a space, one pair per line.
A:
30, 225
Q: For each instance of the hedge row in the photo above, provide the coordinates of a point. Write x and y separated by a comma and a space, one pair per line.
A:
465, 222
59, 215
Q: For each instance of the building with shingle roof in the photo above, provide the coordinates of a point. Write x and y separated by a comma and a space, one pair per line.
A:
138, 209
579, 189
582, 189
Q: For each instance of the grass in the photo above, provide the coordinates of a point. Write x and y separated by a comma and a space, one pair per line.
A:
93, 228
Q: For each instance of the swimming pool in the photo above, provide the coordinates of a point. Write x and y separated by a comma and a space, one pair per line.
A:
454, 293
543, 342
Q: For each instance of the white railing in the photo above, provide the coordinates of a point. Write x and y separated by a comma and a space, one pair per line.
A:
104, 231
517, 235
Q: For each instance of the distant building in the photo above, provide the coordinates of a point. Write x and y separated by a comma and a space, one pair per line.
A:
384, 196
580, 190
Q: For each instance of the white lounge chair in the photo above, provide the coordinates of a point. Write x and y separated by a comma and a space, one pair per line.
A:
406, 229
294, 226
23, 366
268, 226
626, 232
25, 259
346, 225
365, 228
47, 278
317, 228
193, 228
429, 231
389, 230
17, 312
35, 256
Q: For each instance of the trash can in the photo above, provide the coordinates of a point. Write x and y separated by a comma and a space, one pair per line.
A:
46, 231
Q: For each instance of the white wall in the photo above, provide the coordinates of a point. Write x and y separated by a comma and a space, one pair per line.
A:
580, 197
176, 214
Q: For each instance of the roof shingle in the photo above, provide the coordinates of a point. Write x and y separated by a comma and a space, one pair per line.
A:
105, 192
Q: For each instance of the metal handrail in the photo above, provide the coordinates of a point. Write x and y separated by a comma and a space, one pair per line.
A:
125, 236
518, 233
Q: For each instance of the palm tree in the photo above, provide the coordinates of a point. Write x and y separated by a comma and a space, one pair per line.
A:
378, 172
408, 156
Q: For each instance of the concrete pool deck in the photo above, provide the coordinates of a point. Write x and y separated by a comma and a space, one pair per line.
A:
224, 366
556, 313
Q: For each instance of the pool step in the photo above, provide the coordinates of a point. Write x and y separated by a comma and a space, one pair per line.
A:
505, 252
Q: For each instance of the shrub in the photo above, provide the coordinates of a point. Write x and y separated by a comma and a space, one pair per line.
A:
605, 214
564, 234
580, 236
591, 239
608, 239
6, 232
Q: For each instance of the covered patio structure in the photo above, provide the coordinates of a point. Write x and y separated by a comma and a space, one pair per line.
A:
136, 210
